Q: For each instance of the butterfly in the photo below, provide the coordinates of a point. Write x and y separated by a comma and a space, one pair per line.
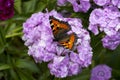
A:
60, 29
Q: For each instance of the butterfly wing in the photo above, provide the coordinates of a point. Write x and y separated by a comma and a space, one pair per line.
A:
68, 41
59, 28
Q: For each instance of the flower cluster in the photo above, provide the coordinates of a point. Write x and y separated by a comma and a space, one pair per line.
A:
106, 20
6, 9
101, 72
63, 62
108, 2
78, 5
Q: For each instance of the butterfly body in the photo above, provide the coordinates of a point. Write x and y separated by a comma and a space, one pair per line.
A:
60, 29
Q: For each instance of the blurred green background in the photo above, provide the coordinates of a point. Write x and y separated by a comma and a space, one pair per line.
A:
16, 64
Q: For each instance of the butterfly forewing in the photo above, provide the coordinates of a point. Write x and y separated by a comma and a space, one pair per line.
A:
58, 27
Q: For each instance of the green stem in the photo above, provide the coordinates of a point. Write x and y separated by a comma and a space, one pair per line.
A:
12, 35
101, 55
18, 29
96, 44
2, 36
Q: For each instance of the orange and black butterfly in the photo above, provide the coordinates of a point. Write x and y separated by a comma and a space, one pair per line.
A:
60, 29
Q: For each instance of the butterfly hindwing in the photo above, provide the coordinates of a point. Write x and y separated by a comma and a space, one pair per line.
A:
68, 41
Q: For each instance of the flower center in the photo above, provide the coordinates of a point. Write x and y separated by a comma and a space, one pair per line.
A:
100, 73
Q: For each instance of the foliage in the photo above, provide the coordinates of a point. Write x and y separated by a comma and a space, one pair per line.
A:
16, 64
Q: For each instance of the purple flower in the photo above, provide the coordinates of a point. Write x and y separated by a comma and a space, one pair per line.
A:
59, 66
101, 72
107, 21
78, 5
102, 2
6, 9
116, 3
108, 3
38, 36
111, 42
73, 62
63, 66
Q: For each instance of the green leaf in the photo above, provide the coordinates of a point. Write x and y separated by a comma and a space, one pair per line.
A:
14, 75
1, 74
84, 75
4, 66
22, 63
2, 48
10, 28
14, 34
29, 6
2, 36
40, 6
112, 58
2, 39
24, 74
51, 4
17, 5
45, 75
13, 30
